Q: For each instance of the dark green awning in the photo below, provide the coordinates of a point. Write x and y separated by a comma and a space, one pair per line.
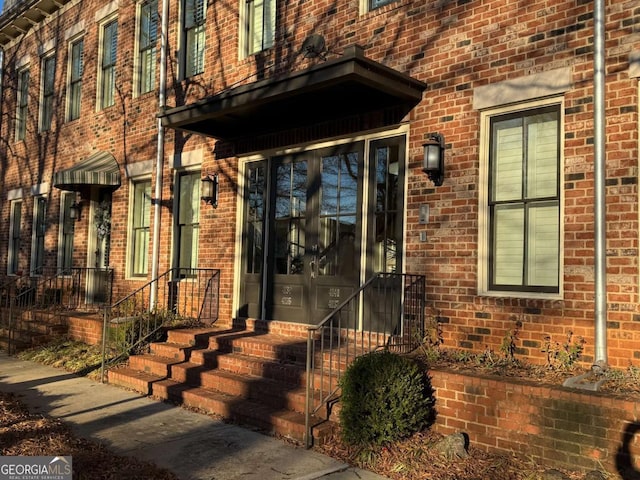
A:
100, 169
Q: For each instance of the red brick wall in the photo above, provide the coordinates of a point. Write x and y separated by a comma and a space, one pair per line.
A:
549, 424
85, 330
454, 47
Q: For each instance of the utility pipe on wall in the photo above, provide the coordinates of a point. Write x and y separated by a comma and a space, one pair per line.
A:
600, 260
157, 205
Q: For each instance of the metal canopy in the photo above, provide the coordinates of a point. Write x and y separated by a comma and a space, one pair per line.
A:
351, 84
99, 169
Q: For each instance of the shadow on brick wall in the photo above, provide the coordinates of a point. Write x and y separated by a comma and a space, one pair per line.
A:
624, 457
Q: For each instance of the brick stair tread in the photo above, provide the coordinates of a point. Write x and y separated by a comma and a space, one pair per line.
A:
258, 412
152, 357
133, 373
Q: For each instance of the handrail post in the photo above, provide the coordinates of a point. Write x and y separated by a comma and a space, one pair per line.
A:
308, 406
105, 317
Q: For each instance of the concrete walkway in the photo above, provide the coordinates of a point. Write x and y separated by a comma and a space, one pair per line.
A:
191, 445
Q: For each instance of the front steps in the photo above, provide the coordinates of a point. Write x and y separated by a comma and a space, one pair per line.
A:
248, 374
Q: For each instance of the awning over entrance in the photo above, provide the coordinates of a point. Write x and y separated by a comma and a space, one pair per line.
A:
99, 169
349, 85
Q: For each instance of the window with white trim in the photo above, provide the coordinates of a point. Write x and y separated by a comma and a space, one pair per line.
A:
147, 45
258, 26
107, 69
193, 34
187, 219
67, 231
38, 234
76, 69
522, 201
139, 234
23, 103
13, 257
368, 5
48, 81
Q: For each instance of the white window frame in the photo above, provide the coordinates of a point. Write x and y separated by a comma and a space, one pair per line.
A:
189, 69
15, 231
247, 47
368, 5
47, 92
176, 217
145, 51
102, 102
132, 245
66, 200
38, 235
484, 221
74, 80
22, 102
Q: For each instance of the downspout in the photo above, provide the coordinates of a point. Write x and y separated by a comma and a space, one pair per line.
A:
600, 252
600, 262
157, 204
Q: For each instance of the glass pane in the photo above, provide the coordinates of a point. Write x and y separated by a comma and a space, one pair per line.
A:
254, 218
506, 174
543, 244
291, 204
508, 254
542, 155
339, 195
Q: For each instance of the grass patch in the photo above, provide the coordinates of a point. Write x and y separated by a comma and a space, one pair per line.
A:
70, 355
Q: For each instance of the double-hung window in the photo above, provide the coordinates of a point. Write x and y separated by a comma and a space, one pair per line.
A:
523, 201
38, 234
76, 67
147, 51
13, 260
48, 80
140, 217
259, 25
67, 231
23, 104
194, 36
187, 221
108, 64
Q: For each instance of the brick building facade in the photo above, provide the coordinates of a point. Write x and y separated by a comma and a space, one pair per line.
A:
313, 115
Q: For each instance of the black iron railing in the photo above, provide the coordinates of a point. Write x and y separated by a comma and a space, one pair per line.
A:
179, 295
386, 312
75, 288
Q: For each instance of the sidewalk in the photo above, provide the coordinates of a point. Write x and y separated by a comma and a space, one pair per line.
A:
192, 445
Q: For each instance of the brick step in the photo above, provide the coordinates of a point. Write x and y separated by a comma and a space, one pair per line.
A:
175, 351
132, 379
268, 347
52, 328
13, 345
274, 421
194, 337
153, 364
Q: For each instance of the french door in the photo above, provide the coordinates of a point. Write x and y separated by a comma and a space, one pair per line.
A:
303, 230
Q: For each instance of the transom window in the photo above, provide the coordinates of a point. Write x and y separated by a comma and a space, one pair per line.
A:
76, 67
524, 201
260, 25
194, 36
147, 46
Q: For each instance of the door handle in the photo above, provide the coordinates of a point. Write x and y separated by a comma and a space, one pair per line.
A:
312, 267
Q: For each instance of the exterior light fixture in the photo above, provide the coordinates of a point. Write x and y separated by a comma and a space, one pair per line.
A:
74, 211
433, 162
209, 189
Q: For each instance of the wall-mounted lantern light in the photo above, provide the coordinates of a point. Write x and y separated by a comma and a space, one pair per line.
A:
74, 211
433, 162
209, 189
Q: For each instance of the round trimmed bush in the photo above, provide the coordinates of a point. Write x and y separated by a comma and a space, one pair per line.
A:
385, 397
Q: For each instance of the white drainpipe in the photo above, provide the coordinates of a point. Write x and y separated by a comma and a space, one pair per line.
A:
157, 206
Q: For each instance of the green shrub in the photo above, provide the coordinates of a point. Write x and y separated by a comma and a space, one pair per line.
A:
385, 397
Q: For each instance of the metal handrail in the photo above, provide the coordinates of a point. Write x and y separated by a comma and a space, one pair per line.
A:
59, 291
392, 307
132, 322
